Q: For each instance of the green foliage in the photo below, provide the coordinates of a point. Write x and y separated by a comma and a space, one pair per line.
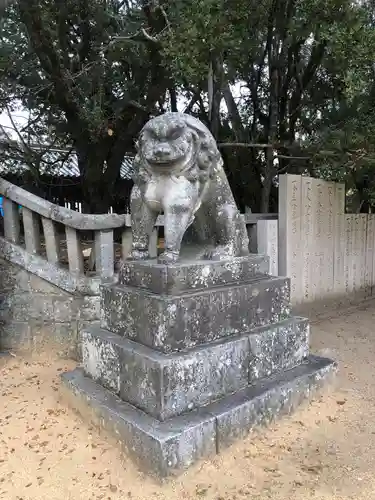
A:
298, 61
94, 71
62, 57
85, 68
203, 30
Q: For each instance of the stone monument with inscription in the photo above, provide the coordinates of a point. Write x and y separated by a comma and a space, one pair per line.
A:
194, 350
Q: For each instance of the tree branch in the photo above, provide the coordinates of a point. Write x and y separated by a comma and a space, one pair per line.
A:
193, 100
43, 46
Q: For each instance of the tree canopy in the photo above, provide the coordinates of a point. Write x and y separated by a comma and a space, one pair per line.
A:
284, 85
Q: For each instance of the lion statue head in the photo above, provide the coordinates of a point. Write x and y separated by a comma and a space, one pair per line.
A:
176, 144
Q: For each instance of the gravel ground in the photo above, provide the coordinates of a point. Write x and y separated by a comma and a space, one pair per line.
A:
324, 451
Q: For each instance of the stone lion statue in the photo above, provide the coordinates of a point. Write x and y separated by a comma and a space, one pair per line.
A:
179, 172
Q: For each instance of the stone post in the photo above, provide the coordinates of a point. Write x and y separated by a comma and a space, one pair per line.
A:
267, 237
290, 204
11, 221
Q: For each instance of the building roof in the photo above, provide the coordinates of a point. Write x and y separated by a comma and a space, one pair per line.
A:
63, 166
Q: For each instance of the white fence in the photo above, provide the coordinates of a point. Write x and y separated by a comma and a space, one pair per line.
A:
324, 251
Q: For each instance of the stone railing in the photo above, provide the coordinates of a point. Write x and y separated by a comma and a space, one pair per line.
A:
72, 250
48, 231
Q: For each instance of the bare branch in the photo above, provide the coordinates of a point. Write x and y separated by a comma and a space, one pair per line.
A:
264, 146
148, 37
164, 14
285, 157
193, 100
245, 145
139, 36
15, 128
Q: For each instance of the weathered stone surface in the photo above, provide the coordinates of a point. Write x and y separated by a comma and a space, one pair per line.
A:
104, 254
41, 335
74, 247
165, 385
6, 313
58, 276
11, 220
39, 285
31, 226
269, 399
178, 170
17, 307
191, 275
169, 323
41, 307
34, 313
64, 309
89, 308
166, 448
160, 448
52, 240
277, 347
15, 335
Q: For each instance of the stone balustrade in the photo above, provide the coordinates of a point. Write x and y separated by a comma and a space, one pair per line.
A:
48, 229
41, 220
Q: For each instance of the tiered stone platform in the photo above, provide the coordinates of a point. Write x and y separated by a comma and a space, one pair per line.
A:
191, 357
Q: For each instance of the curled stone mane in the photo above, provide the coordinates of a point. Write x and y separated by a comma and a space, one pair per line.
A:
179, 172
208, 155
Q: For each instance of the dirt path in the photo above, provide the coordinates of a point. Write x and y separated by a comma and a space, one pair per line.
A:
325, 451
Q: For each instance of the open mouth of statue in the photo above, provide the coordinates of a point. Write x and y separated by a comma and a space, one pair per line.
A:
163, 162
168, 163
171, 163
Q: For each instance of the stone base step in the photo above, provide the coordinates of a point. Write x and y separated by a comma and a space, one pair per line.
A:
166, 448
167, 385
179, 322
192, 275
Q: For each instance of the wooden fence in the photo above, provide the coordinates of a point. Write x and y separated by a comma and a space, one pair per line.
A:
324, 251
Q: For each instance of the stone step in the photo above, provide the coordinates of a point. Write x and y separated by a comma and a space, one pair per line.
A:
190, 275
176, 323
167, 385
167, 448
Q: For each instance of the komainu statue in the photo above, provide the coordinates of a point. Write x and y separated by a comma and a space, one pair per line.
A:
179, 172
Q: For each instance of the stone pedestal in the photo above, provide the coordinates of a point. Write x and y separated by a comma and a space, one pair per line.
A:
192, 356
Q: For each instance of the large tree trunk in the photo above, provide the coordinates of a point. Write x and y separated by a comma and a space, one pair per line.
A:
100, 165
97, 186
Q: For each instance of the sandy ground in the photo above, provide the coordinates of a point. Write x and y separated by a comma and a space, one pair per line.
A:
324, 451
